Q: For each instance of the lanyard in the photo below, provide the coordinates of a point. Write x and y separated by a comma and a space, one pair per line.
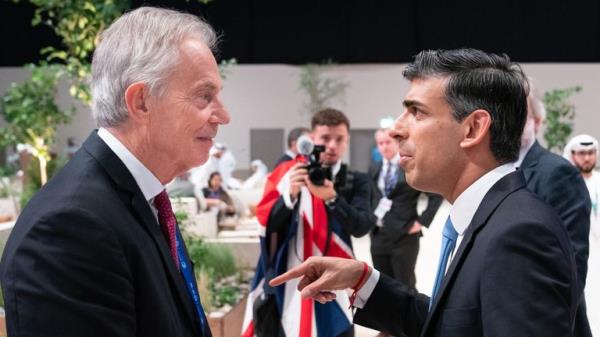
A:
190, 281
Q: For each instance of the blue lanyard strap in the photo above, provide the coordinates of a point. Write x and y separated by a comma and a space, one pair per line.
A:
190, 280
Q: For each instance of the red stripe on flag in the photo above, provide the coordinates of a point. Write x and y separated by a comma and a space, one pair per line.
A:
306, 314
308, 235
249, 331
320, 223
337, 251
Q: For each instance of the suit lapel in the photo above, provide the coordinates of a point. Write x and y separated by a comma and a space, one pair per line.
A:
375, 172
125, 182
504, 187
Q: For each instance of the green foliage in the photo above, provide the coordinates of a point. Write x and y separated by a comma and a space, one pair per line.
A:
181, 217
32, 114
225, 67
215, 269
321, 91
213, 257
33, 181
559, 117
78, 24
226, 294
30, 111
221, 260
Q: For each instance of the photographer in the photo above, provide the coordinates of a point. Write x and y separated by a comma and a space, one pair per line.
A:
310, 207
345, 193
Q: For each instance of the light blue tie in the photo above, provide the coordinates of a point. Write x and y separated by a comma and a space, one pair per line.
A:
448, 243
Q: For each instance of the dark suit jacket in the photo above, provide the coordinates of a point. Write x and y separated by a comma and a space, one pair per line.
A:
352, 209
283, 159
560, 185
87, 258
403, 213
512, 275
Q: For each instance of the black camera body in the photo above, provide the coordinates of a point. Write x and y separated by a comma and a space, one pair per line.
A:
316, 172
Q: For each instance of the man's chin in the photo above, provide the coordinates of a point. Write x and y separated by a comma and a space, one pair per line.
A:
587, 170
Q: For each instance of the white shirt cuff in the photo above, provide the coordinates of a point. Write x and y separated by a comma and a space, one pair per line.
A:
363, 294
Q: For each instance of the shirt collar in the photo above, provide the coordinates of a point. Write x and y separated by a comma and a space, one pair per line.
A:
468, 201
394, 161
146, 180
336, 168
290, 153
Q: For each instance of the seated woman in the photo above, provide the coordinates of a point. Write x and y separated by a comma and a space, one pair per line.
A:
216, 196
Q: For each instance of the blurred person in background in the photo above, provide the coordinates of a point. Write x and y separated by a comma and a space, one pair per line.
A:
560, 185
582, 151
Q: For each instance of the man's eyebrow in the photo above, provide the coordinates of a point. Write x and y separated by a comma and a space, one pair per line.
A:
410, 103
206, 86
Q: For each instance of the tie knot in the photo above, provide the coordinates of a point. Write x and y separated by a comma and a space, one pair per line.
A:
162, 202
449, 231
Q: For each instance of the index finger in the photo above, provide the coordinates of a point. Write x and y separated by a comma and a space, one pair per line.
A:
293, 273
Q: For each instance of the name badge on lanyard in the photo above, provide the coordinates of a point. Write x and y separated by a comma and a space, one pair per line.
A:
382, 208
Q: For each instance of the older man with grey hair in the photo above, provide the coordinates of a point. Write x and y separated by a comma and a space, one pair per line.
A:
560, 185
97, 252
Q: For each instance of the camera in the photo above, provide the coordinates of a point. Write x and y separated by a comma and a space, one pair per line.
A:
316, 172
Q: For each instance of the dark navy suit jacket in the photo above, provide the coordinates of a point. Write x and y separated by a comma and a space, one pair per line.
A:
512, 275
87, 258
560, 185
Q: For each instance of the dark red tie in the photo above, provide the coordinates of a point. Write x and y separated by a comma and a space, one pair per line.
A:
167, 221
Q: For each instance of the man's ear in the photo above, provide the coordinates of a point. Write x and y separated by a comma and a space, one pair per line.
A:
136, 98
476, 128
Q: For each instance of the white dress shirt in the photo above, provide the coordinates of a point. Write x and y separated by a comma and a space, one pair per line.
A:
461, 214
145, 179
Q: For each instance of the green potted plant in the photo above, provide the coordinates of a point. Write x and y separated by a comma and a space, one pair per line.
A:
32, 114
321, 91
559, 117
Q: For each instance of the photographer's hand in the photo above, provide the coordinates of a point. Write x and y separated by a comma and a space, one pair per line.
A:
325, 192
297, 179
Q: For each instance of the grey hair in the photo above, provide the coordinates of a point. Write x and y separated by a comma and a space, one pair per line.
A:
140, 46
537, 106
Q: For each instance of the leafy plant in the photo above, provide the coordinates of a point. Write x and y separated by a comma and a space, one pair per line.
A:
225, 67
559, 117
32, 114
78, 24
321, 91
7, 190
219, 280
32, 179
220, 260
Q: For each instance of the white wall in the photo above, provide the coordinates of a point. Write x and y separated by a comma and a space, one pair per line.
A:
268, 96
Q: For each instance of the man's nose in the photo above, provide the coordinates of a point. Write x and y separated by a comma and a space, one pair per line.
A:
220, 114
399, 130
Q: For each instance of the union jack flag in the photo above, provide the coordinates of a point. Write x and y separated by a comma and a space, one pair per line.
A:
308, 233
